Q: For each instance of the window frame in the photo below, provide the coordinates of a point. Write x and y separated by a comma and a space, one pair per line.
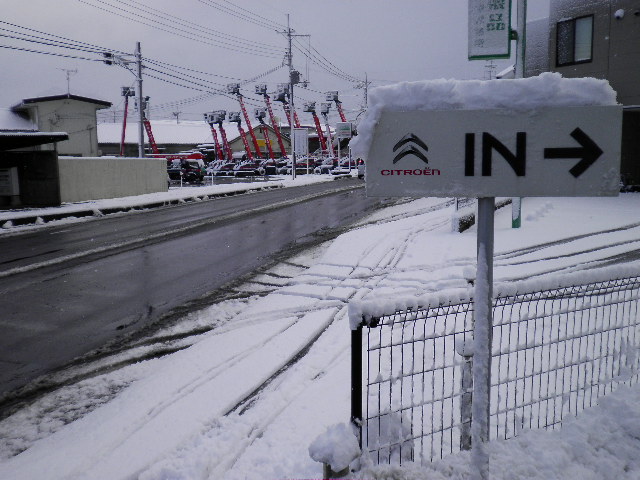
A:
573, 21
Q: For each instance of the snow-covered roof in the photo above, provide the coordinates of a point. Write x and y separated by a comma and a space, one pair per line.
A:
166, 132
12, 121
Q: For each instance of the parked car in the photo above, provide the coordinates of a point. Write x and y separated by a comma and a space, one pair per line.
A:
186, 170
301, 168
344, 167
326, 166
267, 167
222, 168
246, 169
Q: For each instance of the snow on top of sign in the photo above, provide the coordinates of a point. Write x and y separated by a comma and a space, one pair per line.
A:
518, 95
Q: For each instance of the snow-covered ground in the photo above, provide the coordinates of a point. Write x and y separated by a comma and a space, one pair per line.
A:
246, 399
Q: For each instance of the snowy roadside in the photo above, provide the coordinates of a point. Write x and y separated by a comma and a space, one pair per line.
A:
601, 444
12, 219
250, 396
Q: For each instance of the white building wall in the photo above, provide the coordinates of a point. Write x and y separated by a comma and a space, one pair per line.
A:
76, 118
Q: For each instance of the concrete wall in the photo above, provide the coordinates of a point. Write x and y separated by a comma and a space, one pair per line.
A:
95, 178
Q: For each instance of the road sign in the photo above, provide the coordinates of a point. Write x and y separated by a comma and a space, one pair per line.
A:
552, 152
344, 129
489, 29
301, 141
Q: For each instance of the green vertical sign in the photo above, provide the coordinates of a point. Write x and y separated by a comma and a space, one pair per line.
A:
489, 29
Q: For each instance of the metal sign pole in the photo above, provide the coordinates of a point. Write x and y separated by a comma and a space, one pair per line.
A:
482, 338
521, 41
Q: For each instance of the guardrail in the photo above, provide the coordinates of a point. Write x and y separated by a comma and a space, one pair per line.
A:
555, 351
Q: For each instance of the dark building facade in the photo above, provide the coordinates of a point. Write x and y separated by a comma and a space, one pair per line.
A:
601, 39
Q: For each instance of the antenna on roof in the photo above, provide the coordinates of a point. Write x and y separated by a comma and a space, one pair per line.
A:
69, 72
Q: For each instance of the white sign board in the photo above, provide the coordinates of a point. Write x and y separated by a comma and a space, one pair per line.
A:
489, 29
344, 129
301, 141
552, 152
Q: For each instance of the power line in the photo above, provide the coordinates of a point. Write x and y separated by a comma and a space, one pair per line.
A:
213, 92
229, 42
192, 25
322, 62
277, 25
159, 63
248, 17
42, 42
48, 53
55, 37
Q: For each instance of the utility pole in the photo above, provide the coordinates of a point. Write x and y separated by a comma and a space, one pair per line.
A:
125, 60
365, 86
140, 102
294, 78
292, 107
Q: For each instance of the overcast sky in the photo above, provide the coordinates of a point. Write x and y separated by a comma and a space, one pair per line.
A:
389, 40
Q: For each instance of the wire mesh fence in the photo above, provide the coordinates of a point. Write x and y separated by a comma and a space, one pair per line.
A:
554, 353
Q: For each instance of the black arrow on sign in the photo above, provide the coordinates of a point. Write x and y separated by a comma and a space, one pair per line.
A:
588, 152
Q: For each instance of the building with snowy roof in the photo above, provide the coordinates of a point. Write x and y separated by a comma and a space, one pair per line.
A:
68, 113
36, 171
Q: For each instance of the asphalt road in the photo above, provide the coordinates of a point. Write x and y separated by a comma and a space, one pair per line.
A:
69, 289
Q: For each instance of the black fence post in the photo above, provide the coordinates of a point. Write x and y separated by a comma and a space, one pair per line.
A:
356, 381
466, 403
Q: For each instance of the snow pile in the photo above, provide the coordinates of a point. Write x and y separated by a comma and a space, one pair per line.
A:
601, 444
521, 95
337, 447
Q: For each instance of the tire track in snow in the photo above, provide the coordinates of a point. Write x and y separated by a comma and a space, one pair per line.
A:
253, 401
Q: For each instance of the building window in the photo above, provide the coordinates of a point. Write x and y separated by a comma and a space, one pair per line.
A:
574, 41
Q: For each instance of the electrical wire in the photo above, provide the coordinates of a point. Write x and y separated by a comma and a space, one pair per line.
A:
215, 92
66, 40
248, 17
48, 53
255, 14
191, 26
206, 36
165, 64
322, 62
42, 42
